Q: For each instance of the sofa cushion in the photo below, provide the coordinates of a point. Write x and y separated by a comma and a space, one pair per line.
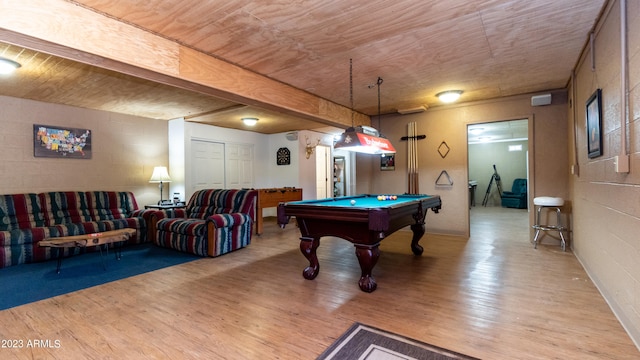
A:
110, 205
186, 235
229, 220
65, 207
205, 203
21, 245
191, 227
137, 223
20, 211
228, 233
202, 204
16, 246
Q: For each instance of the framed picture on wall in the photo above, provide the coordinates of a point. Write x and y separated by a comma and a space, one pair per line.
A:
61, 142
388, 162
594, 124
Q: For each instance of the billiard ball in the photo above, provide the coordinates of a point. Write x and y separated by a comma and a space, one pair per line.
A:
353, 202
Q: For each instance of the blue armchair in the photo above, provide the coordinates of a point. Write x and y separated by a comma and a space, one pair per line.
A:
517, 197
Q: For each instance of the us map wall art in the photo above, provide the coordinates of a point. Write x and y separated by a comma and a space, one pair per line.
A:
57, 142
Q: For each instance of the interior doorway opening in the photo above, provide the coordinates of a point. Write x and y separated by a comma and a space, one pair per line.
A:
498, 158
324, 177
344, 173
339, 176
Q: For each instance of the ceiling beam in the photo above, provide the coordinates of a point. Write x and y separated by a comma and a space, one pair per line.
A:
218, 111
82, 35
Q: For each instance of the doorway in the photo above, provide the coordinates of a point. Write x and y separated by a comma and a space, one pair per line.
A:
339, 176
324, 172
498, 153
344, 173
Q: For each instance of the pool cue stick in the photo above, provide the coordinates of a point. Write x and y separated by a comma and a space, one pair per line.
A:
409, 161
413, 161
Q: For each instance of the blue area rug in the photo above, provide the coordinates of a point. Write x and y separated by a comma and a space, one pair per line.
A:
26, 283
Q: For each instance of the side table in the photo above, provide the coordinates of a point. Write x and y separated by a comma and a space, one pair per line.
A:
166, 207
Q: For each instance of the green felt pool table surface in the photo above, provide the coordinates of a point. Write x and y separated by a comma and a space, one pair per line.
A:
362, 201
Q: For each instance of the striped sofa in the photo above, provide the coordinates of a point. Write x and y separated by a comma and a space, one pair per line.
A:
214, 222
26, 219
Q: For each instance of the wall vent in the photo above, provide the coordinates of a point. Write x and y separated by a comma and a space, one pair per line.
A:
540, 100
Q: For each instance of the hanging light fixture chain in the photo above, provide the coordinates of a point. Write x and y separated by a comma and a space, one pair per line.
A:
379, 82
363, 139
353, 124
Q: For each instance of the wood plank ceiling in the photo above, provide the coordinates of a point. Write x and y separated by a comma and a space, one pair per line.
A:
488, 49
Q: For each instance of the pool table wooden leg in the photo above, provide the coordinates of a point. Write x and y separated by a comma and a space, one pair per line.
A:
308, 247
418, 232
367, 257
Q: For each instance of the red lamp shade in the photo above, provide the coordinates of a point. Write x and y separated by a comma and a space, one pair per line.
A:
355, 139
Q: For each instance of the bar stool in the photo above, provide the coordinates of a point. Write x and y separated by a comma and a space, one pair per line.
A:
546, 202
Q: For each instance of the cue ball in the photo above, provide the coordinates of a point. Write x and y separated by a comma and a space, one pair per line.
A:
353, 202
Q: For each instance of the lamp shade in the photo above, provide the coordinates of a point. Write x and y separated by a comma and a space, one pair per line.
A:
355, 139
160, 175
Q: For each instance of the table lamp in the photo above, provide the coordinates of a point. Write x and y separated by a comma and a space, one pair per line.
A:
160, 175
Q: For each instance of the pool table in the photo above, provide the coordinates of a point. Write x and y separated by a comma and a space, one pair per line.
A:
363, 220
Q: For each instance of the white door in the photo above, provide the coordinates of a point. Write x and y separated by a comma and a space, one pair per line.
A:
207, 164
239, 166
324, 175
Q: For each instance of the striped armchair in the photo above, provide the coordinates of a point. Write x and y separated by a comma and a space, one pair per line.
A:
214, 222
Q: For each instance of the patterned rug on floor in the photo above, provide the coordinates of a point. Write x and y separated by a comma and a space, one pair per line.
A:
363, 342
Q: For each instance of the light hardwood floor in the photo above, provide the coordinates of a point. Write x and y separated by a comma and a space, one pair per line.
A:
492, 296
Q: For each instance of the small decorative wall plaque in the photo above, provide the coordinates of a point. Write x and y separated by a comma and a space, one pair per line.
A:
443, 149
